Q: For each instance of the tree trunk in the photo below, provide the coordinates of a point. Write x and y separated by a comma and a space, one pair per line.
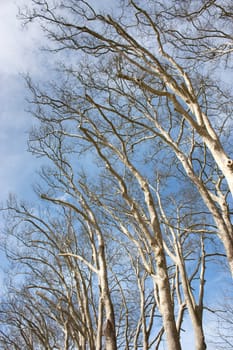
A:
165, 303
228, 245
199, 337
194, 312
224, 163
109, 326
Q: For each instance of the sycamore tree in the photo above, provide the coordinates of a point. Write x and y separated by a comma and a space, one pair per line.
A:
136, 131
62, 301
67, 298
155, 72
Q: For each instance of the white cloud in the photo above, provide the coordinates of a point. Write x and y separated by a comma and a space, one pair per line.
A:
18, 44
19, 54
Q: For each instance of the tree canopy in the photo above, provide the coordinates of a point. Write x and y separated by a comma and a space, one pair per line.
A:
134, 211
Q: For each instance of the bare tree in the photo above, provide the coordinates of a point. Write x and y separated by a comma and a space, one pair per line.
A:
145, 80
133, 105
63, 274
61, 303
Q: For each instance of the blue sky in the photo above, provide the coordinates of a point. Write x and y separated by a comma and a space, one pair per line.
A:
20, 55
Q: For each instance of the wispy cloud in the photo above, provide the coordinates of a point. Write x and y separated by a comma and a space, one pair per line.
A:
19, 55
19, 45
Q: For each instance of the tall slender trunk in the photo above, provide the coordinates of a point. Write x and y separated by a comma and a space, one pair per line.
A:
165, 304
228, 245
224, 163
199, 336
109, 326
194, 313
